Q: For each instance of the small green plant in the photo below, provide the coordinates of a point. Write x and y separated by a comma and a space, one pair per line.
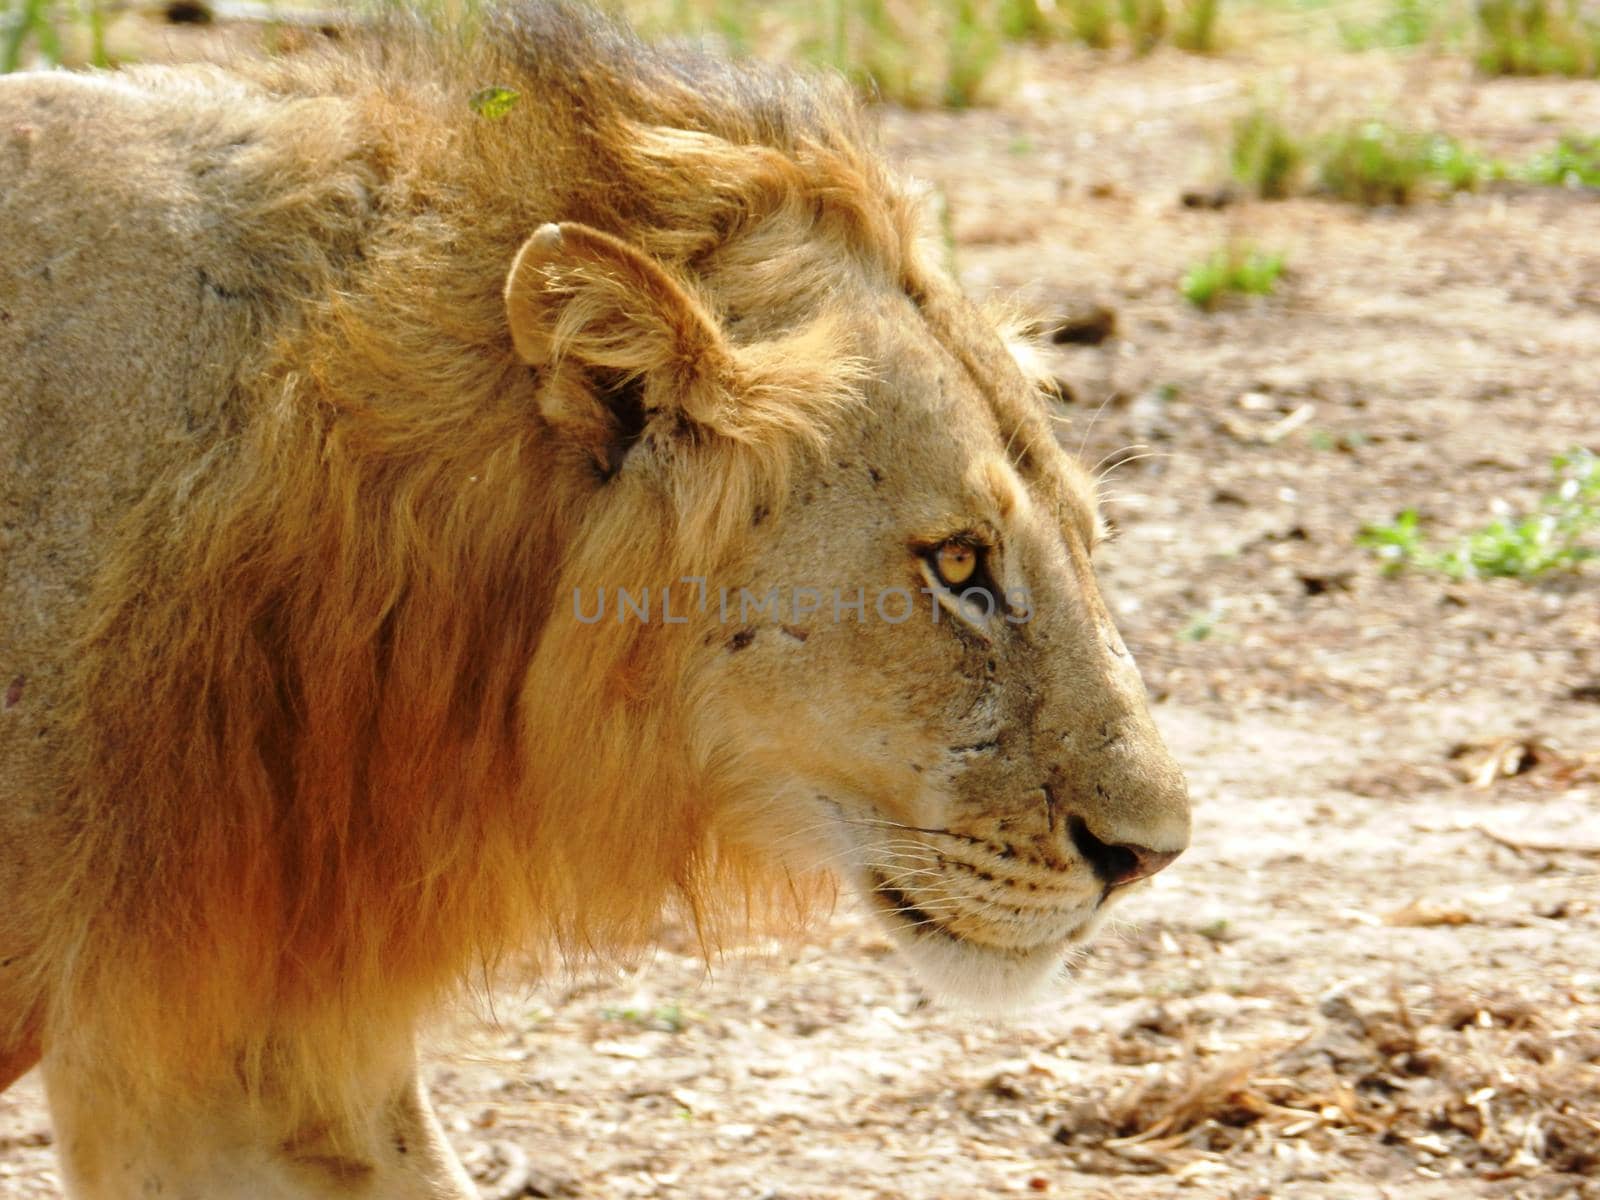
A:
973, 47
29, 19
934, 54
1455, 167
1376, 162
1202, 625
1234, 270
1022, 20
1264, 157
1373, 161
1558, 535
1575, 162
1538, 37
668, 1018
944, 52
1398, 543
1092, 22
1195, 29
1146, 22
1142, 24
1406, 23
40, 23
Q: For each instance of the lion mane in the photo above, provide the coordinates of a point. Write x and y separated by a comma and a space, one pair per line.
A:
330, 755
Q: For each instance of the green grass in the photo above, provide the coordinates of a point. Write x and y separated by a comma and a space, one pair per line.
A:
1233, 270
1561, 533
1406, 23
1505, 37
1202, 625
1264, 157
1377, 162
931, 52
1574, 162
1092, 22
1195, 28
668, 1018
938, 52
1021, 20
1380, 161
1145, 23
1454, 166
1372, 161
1538, 37
943, 52
1142, 25
38, 25
1326, 439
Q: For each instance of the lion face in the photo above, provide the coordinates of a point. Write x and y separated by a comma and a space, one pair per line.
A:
948, 711
901, 669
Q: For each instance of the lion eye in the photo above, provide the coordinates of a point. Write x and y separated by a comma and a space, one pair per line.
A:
955, 563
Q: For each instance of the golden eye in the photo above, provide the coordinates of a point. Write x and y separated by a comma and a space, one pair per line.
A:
955, 562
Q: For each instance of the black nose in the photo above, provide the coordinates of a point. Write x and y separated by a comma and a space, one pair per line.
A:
1115, 865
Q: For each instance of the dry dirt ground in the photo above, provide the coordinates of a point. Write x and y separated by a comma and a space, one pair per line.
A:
1377, 973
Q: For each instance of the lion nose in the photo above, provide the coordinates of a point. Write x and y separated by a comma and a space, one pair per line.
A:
1117, 864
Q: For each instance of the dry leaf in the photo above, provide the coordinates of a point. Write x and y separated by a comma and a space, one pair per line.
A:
1421, 914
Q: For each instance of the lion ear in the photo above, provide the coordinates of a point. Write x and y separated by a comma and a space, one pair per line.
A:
577, 293
619, 341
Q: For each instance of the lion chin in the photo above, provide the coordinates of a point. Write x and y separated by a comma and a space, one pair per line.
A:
987, 979
976, 976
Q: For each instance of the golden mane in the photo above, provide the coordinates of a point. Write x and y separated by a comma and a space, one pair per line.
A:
337, 754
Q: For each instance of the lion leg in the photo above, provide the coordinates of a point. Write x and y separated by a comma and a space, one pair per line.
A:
237, 1147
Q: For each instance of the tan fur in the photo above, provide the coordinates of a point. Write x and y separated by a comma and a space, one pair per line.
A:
329, 404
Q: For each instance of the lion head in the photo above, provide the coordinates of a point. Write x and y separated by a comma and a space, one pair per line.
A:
895, 663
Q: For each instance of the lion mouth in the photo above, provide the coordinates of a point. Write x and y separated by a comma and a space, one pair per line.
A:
914, 919
969, 965
905, 908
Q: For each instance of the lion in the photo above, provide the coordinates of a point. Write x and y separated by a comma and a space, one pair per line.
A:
462, 500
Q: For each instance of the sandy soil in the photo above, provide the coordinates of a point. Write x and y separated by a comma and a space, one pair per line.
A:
1377, 973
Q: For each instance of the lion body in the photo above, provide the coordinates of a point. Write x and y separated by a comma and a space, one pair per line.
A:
107, 241
294, 734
